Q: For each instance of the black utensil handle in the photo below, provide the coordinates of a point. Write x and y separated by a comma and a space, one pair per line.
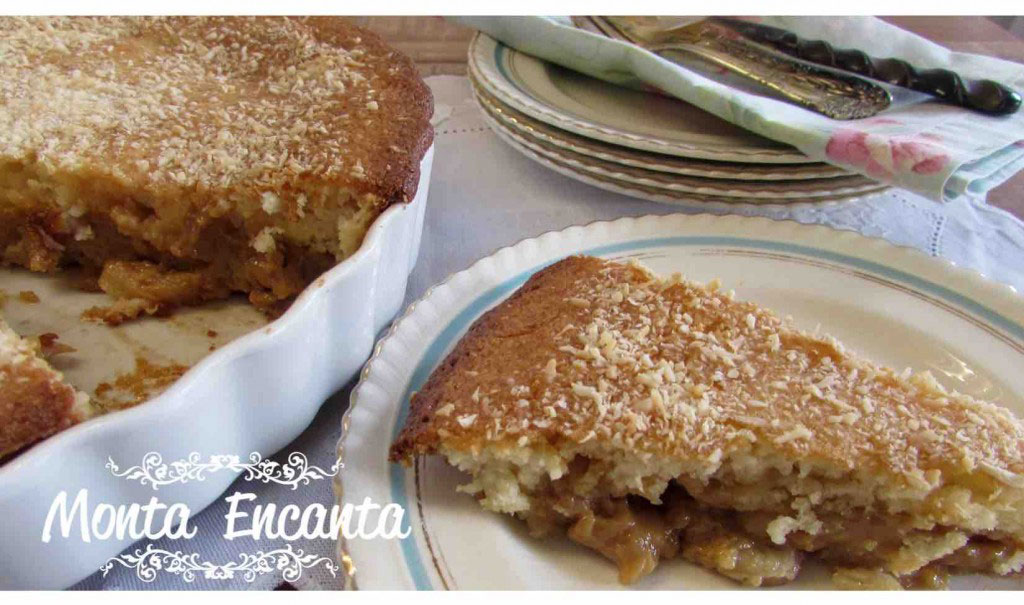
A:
984, 96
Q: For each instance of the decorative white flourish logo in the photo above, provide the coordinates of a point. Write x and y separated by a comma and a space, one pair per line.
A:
155, 472
290, 563
156, 520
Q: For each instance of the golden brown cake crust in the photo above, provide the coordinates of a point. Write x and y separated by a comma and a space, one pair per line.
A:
419, 435
697, 377
217, 107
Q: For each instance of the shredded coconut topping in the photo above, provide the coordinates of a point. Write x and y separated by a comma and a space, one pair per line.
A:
652, 366
246, 104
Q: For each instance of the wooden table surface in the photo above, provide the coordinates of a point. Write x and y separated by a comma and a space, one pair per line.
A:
439, 47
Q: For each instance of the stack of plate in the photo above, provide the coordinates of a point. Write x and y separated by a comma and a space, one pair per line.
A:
639, 143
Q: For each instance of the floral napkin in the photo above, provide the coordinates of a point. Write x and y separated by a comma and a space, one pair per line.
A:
941, 151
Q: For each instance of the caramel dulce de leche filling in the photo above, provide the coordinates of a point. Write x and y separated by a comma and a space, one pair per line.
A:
636, 535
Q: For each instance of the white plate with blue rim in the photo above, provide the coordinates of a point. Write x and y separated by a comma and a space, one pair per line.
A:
598, 110
895, 305
675, 189
523, 124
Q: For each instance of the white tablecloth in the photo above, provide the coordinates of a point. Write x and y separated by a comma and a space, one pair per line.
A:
484, 196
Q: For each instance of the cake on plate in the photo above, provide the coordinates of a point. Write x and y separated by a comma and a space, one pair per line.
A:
653, 418
184, 159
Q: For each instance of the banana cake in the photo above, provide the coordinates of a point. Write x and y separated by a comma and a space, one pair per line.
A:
182, 159
653, 418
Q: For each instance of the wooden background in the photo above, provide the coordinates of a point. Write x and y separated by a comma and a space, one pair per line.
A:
439, 47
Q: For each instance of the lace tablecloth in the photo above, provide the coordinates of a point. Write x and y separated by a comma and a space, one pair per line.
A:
485, 196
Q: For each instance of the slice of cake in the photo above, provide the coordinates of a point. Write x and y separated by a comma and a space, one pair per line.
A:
182, 159
652, 418
35, 402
